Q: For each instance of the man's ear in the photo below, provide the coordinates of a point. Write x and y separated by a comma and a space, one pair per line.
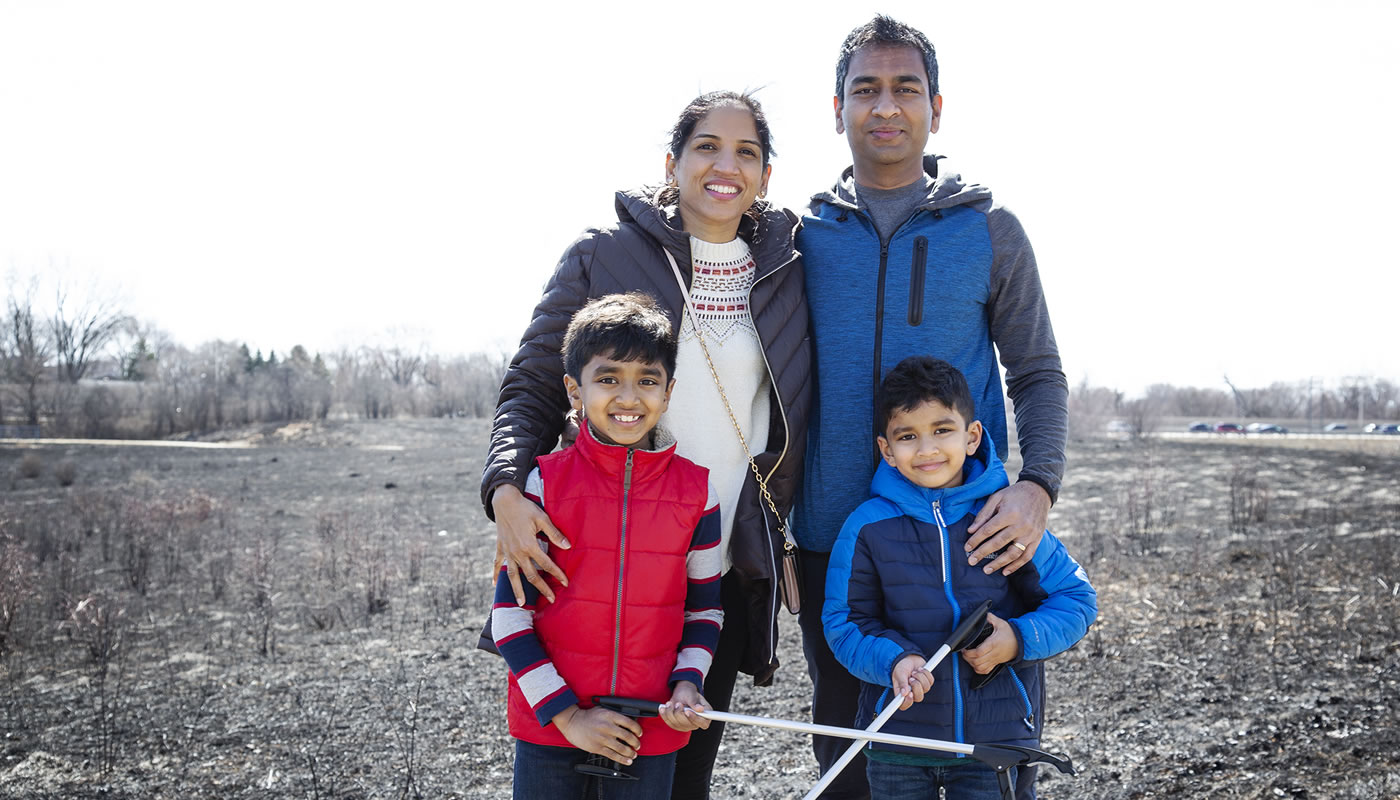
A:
575, 393
974, 437
937, 112
885, 449
840, 125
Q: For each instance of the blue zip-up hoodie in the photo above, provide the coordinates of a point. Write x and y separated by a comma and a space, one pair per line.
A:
898, 584
957, 280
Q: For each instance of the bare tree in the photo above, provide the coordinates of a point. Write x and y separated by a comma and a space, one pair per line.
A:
81, 330
1089, 408
26, 352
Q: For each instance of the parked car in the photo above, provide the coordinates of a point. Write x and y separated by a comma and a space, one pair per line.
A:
1265, 427
1200, 427
1228, 427
1391, 429
1334, 427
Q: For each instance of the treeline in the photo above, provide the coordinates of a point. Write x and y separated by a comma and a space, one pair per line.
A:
86, 369
1349, 399
82, 367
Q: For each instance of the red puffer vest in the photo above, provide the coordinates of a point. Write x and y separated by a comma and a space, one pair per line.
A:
616, 629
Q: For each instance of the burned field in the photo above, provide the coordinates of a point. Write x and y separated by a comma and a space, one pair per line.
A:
297, 618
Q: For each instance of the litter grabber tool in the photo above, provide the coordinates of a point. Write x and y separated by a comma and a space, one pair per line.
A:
602, 766
1001, 757
968, 630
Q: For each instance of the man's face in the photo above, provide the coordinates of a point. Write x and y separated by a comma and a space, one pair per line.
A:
886, 110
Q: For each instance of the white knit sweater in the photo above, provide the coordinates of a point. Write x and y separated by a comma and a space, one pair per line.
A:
722, 275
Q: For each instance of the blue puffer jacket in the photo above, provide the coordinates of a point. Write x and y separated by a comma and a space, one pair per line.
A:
899, 583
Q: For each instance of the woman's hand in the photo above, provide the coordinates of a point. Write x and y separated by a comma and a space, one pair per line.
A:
600, 731
679, 711
998, 648
517, 522
910, 680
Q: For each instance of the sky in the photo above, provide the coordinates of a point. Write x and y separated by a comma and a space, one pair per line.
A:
1208, 186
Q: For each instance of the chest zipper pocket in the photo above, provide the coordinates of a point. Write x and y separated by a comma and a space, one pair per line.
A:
918, 267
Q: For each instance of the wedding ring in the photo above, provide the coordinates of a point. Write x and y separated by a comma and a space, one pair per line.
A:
1018, 544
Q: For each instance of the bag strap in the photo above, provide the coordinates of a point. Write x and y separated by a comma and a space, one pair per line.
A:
789, 545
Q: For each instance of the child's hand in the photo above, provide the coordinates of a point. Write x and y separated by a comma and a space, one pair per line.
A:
998, 648
598, 730
910, 680
679, 711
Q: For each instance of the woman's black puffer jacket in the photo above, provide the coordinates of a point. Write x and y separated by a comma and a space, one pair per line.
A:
530, 412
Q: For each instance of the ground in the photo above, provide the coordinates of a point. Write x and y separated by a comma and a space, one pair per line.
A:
295, 614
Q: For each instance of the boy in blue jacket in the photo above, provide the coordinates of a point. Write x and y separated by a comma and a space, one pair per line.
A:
898, 584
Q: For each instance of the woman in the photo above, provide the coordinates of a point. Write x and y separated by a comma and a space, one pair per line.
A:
735, 253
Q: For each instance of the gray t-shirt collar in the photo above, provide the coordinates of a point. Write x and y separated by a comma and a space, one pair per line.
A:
889, 208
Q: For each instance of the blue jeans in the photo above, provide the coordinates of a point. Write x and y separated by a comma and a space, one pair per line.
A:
543, 772
972, 781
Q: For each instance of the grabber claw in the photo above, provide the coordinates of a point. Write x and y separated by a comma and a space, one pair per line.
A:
1002, 756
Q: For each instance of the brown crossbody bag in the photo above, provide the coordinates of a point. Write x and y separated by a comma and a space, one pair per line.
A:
790, 579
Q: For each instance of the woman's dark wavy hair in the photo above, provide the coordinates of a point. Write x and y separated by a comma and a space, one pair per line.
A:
697, 110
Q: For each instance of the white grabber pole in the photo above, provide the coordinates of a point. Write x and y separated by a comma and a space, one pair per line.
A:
996, 755
832, 730
961, 636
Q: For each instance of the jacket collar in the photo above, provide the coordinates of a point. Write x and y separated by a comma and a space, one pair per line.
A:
983, 474
948, 189
771, 238
611, 459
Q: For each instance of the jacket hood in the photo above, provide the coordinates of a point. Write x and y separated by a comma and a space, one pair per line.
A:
983, 474
948, 189
771, 238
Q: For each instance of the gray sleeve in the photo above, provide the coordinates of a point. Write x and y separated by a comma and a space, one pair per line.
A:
1020, 326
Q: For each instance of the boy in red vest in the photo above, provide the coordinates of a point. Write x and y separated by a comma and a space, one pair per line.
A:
641, 615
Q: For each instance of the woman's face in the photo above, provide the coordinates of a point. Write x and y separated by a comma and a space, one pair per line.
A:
719, 172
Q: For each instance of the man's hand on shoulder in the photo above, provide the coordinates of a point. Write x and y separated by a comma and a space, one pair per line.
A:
1012, 522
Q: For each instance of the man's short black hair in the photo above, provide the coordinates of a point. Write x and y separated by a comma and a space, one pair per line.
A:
884, 31
920, 379
623, 327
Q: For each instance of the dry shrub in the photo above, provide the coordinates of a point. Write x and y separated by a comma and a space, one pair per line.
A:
99, 622
30, 465
1249, 499
17, 572
66, 473
260, 578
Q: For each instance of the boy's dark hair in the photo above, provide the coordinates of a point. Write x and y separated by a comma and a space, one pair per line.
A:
920, 379
884, 31
624, 327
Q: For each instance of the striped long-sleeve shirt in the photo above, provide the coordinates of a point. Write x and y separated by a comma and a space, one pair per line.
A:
528, 658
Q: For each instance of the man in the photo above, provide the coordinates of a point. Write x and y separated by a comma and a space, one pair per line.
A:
903, 258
